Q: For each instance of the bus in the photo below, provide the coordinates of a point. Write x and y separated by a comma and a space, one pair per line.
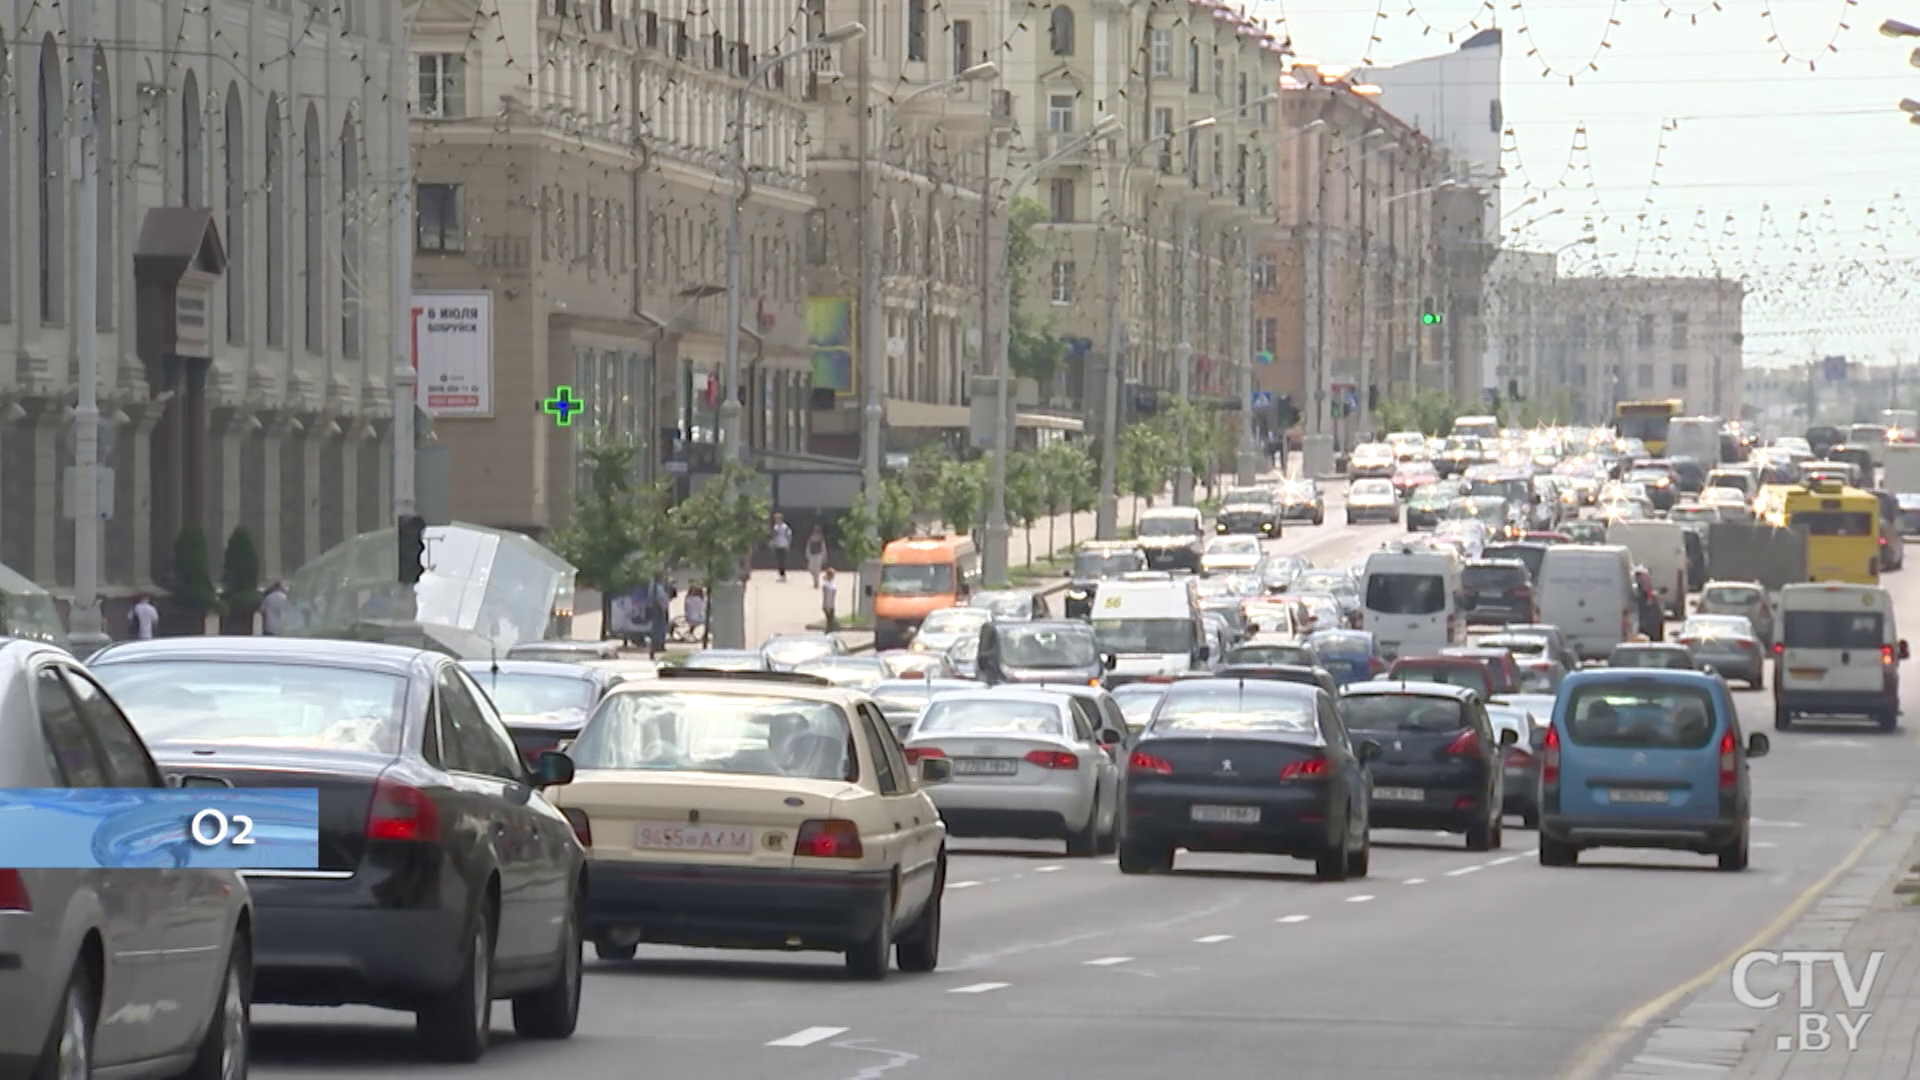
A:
1843, 532
1647, 421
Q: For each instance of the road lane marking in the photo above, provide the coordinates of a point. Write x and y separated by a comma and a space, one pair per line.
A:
1047, 869
1109, 862
979, 988
1763, 844
808, 1036
1504, 860
1361, 899
961, 884
1212, 939
1109, 961
1293, 918
1463, 871
1415, 881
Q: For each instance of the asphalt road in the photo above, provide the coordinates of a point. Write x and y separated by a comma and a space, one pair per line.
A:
1442, 964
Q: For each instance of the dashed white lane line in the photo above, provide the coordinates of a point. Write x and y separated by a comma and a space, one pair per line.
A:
808, 1036
1212, 939
1763, 844
1047, 869
1464, 871
1361, 899
979, 988
1292, 918
1415, 881
1109, 961
1504, 860
1109, 862
961, 884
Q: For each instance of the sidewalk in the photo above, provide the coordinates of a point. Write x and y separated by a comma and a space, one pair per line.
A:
1862, 913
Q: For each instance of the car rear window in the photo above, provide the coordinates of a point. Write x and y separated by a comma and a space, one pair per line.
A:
258, 704
1741, 597
1640, 715
1473, 677
702, 731
1402, 712
1529, 554
1235, 707
989, 716
1653, 658
1834, 523
1493, 577
1406, 594
1834, 630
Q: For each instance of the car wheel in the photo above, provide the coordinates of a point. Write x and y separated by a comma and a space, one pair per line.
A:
1480, 837
68, 1054
1319, 519
918, 950
1359, 862
1530, 819
1733, 857
867, 960
552, 1011
1497, 832
1349, 519
225, 1049
1558, 852
457, 1024
1782, 716
1331, 864
1889, 719
1140, 858
1759, 681
1084, 843
607, 950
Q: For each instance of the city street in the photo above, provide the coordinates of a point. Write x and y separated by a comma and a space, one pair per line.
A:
1443, 963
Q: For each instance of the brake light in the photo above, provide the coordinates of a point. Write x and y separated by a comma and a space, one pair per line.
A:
1779, 647
1467, 743
1053, 759
916, 754
1886, 655
829, 838
1550, 757
402, 812
1687, 641
1729, 763
582, 827
13, 892
1311, 769
1141, 762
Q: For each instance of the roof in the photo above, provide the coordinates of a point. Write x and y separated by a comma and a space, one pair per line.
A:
1171, 511
306, 652
734, 683
1402, 686
1025, 691
1307, 685
1109, 545
532, 667
1676, 676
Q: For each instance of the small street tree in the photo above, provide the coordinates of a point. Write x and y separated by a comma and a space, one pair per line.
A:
1143, 465
1026, 494
1034, 351
959, 493
896, 509
856, 533
615, 530
719, 525
1082, 495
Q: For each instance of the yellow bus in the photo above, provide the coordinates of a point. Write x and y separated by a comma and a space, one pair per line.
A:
1843, 532
1647, 421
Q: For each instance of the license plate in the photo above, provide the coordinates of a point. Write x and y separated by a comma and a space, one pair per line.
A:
1399, 794
1635, 795
985, 767
1808, 672
660, 836
1229, 815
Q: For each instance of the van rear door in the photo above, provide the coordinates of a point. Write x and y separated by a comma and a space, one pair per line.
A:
1640, 750
1834, 650
1406, 607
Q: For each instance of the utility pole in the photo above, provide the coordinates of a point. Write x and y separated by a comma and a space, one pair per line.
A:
1248, 457
996, 335
870, 325
1107, 514
86, 633
1183, 347
406, 376
1366, 312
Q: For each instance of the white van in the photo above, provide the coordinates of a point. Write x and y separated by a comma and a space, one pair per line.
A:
1661, 547
1411, 602
1839, 654
1149, 623
1902, 476
1587, 591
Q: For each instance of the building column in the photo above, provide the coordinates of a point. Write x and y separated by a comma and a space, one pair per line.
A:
48, 422
138, 513
312, 443
350, 480
271, 549
229, 440
382, 447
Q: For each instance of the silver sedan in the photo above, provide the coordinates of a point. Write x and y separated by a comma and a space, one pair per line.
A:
1728, 645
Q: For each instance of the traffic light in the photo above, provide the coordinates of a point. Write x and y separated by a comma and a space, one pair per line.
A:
1431, 318
413, 548
1513, 389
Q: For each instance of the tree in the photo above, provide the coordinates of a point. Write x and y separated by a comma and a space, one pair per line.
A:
192, 578
896, 509
960, 492
240, 571
1082, 494
616, 536
921, 478
1062, 465
1026, 494
856, 532
719, 525
1144, 457
1034, 351
1430, 412
1190, 432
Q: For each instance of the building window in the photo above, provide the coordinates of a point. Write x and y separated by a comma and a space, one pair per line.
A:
917, 30
1240, 175
1218, 175
439, 224
1240, 90
1646, 332
105, 268
1679, 322
233, 149
1679, 376
49, 178
443, 85
1060, 31
1160, 50
1060, 112
1162, 126
1643, 376
1219, 76
192, 168
962, 31
1060, 198
276, 170
1062, 281
350, 262
313, 209
1193, 158
1266, 336
1193, 65
1266, 273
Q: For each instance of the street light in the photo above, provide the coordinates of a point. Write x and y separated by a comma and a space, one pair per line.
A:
998, 533
1571, 244
1894, 28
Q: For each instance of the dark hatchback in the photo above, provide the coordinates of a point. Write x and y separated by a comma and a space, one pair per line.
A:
1497, 592
1247, 766
1057, 650
1101, 560
544, 703
445, 878
1440, 763
1250, 511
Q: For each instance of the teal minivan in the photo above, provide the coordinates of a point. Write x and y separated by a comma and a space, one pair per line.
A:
1645, 758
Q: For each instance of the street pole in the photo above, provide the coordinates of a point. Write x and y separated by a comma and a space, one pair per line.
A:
1249, 455
1366, 313
405, 375
1183, 350
86, 633
867, 310
1107, 513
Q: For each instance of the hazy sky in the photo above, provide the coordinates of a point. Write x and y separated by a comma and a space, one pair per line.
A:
1702, 149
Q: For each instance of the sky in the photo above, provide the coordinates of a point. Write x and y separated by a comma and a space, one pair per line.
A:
1760, 139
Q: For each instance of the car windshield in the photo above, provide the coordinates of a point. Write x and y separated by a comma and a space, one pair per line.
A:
844, 670
1493, 577
1269, 655
1257, 498
1710, 626
1326, 581
520, 694
1237, 706
1832, 630
1737, 596
1402, 712
1167, 526
1138, 700
955, 621
1406, 594
900, 579
1098, 566
703, 731
990, 715
1519, 646
1243, 546
1640, 715
277, 704
1651, 658
793, 650
914, 663
1048, 647
1371, 489
1144, 635
1005, 605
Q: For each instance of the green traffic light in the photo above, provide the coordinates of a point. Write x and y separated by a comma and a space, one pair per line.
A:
1432, 318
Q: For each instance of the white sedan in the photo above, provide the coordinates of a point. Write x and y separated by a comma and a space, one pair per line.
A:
1373, 499
1231, 554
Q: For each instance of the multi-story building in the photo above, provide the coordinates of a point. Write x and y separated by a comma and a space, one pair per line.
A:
1531, 353
574, 182
1638, 338
249, 142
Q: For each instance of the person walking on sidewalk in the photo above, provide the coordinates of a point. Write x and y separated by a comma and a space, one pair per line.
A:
144, 618
696, 609
829, 598
273, 610
659, 614
782, 543
816, 553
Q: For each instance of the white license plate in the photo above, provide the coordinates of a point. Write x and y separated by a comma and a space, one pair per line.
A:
660, 836
985, 766
1230, 815
1635, 795
1399, 794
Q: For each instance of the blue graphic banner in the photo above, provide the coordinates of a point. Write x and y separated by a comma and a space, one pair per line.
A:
206, 828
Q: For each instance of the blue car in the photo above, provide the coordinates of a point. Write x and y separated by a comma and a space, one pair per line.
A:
1349, 655
1646, 758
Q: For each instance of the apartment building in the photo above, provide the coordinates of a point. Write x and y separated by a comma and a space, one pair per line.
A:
1646, 338
249, 148
574, 177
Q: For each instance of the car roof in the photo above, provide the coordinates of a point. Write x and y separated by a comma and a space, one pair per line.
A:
1448, 659
1018, 691
1286, 685
530, 667
1674, 676
932, 686
1402, 686
746, 684
304, 652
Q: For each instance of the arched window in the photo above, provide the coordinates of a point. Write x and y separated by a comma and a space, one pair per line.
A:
276, 160
313, 209
105, 205
192, 166
350, 268
1060, 31
50, 176
233, 148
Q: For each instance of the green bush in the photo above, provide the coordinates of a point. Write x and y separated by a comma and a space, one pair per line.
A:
240, 571
192, 576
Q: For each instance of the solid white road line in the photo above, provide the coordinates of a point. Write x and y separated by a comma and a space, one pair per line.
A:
1361, 899
1292, 918
1463, 871
1212, 939
1108, 961
1415, 881
961, 884
1047, 869
979, 988
808, 1036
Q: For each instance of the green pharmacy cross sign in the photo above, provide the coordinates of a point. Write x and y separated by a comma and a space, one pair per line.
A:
1432, 318
562, 406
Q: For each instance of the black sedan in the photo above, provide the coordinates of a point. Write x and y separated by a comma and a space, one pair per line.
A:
544, 703
1440, 764
1253, 510
445, 881
1245, 765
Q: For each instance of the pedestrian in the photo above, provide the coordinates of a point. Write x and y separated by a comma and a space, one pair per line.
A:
696, 607
659, 613
274, 608
782, 544
144, 618
829, 595
816, 553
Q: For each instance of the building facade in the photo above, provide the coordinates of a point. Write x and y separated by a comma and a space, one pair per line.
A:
1530, 355
279, 120
1640, 338
573, 179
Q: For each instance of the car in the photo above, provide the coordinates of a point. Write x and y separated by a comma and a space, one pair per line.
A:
757, 810
1745, 598
1264, 653
1372, 500
1027, 763
1372, 460
901, 700
1463, 671
1013, 604
854, 672
1540, 669
1232, 553
1728, 645
785, 651
1137, 700
1052, 650
417, 771
137, 973
1278, 572
1249, 766
1646, 759
1440, 766
1503, 670
1171, 537
941, 630
1252, 511
1302, 500
1350, 656
1669, 656
906, 664
727, 660
1095, 562
542, 702
1521, 762
1496, 592
565, 651
1839, 654
1411, 476
1102, 711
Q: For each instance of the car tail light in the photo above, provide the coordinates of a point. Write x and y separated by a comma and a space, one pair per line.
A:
1779, 647
829, 838
1550, 757
1311, 769
402, 812
1729, 761
1142, 762
13, 891
1687, 641
916, 754
1467, 743
1053, 759
582, 827
1518, 758
1886, 655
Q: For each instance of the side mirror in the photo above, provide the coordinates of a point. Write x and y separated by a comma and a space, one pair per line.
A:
1509, 737
1367, 751
1109, 737
552, 769
936, 770
1905, 653
1758, 745
1203, 653
1538, 739
1109, 661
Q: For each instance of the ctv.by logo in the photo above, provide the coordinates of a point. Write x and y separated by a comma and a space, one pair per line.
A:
1813, 1031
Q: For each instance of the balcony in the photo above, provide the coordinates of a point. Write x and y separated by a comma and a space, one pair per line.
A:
968, 107
1058, 141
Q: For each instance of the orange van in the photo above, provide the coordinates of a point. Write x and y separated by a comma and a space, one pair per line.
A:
919, 575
